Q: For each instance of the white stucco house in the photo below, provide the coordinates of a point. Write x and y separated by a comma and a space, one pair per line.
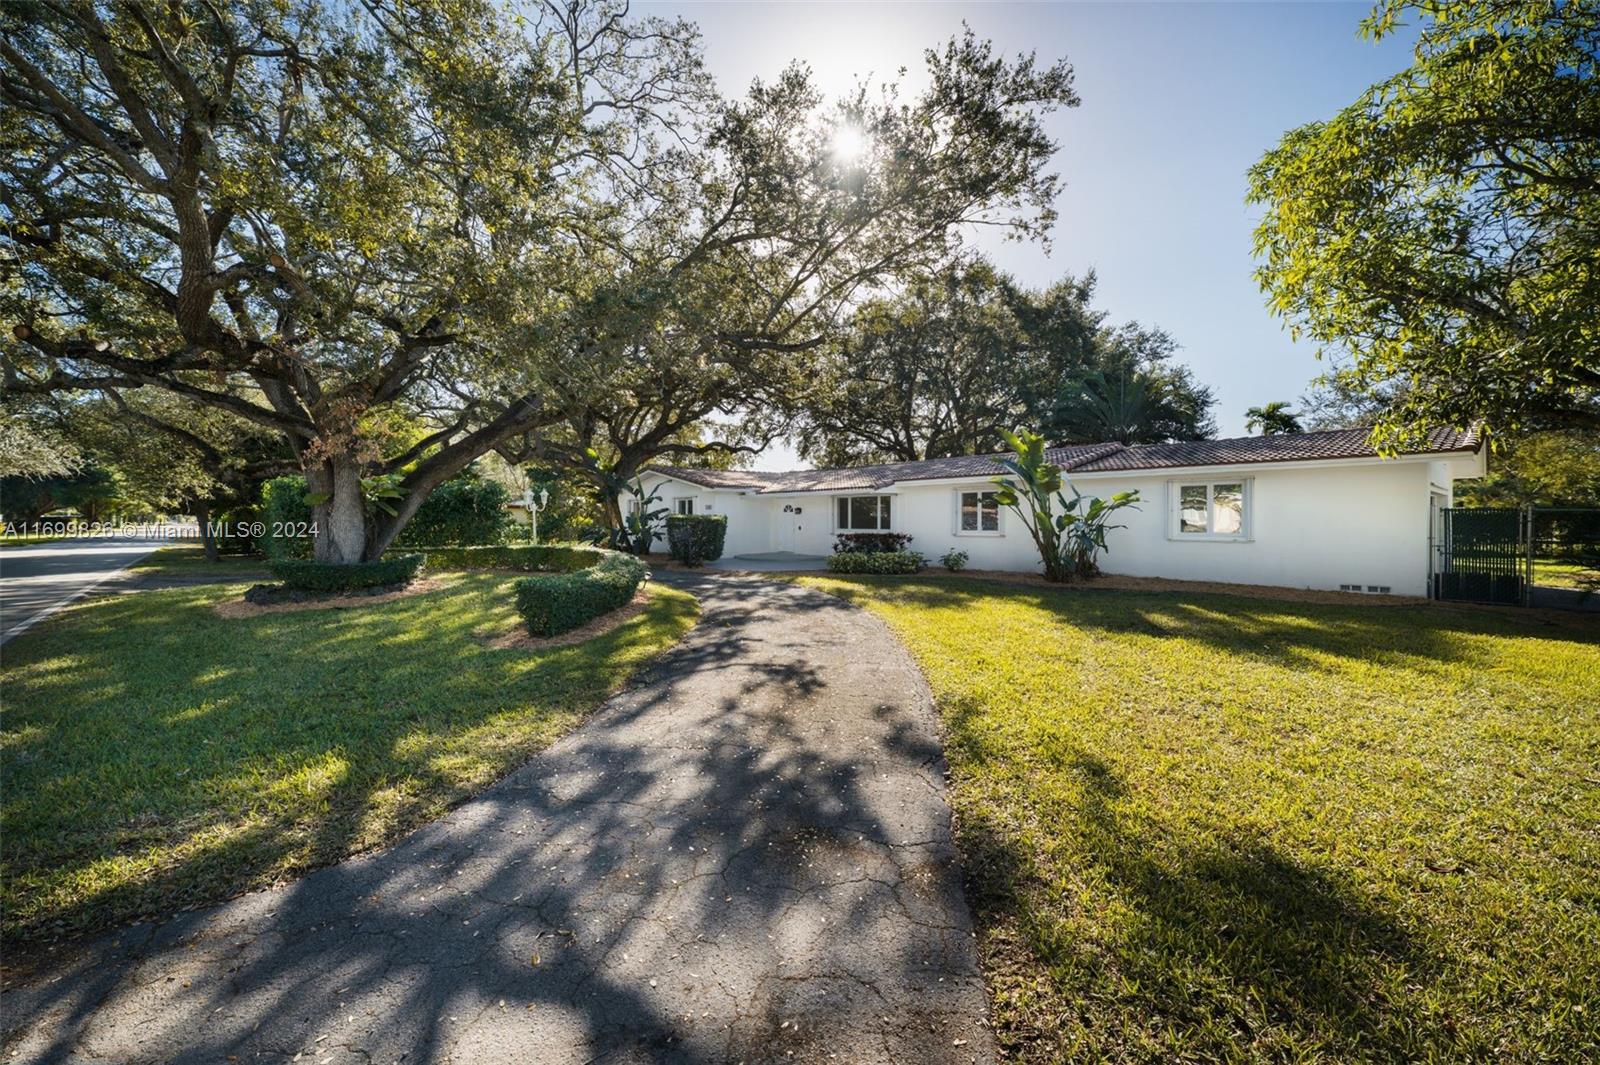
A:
1304, 510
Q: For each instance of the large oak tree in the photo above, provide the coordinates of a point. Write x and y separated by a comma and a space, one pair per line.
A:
303, 216
309, 220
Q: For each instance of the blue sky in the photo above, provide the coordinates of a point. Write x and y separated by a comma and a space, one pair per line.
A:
1178, 101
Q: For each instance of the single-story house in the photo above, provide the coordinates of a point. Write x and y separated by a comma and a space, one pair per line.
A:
1301, 510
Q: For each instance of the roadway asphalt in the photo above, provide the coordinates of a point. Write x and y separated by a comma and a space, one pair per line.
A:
38, 580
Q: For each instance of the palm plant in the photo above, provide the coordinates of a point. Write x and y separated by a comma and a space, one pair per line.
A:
1272, 419
1131, 406
1069, 542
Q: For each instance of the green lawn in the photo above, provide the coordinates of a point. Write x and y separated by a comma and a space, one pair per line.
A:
156, 755
1207, 828
189, 561
30, 539
1566, 573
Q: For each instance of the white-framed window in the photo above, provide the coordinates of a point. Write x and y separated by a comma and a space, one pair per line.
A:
683, 505
1211, 510
977, 514
862, 513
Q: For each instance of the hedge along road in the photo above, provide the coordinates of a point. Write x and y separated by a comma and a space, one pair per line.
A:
746, 855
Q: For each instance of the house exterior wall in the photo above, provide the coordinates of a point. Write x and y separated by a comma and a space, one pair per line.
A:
1314, 525
747, 513
1318, 527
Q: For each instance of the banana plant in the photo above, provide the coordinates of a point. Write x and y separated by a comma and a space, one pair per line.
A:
1069, 533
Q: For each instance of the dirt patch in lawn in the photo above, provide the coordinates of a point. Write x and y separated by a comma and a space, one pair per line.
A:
240, 609
519, 639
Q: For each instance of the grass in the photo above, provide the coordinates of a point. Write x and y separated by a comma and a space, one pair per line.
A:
157, 756
1565, 573
1207, 828
189, 561
30, 539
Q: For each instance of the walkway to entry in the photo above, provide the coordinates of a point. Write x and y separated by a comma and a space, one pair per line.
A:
770, 562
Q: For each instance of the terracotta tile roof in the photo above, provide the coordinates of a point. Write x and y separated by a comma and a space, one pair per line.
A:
1075, 458
1285, 447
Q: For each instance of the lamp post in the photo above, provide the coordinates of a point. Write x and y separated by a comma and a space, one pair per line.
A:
533, 510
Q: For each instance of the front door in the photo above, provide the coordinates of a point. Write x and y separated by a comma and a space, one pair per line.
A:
786, 521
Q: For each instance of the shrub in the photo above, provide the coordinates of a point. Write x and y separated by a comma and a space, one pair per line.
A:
553, 603
330, 577
466, 510
954, 560
875, 562
532, 558
696, 538
284, 507
232, 531
864, 542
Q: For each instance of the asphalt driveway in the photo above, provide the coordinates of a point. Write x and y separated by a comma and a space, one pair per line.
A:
744, 857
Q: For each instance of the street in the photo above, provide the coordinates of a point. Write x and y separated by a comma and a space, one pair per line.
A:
38, 580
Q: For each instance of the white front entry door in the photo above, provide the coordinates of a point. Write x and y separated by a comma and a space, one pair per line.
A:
783, 531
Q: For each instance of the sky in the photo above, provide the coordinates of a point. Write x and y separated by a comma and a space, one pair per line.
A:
1179, 100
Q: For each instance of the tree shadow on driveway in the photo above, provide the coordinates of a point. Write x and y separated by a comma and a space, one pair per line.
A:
746, 854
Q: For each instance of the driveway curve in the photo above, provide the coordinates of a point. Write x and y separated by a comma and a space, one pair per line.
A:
746, 856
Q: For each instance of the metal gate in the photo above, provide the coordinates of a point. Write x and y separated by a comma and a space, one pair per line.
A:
1481, 555
1527, 556
1564, 557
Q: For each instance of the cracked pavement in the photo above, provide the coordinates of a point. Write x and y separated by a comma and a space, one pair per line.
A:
745, 856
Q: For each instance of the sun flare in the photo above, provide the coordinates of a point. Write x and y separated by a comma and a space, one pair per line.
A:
849, 143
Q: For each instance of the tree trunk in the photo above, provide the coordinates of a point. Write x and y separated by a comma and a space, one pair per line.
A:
341, 519
208, 539
387, 528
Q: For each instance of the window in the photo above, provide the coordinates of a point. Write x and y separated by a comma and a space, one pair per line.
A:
683, 505
862, 513
978, 513
1218, 510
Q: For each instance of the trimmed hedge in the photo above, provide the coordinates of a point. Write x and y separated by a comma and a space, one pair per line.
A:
532, 558
332, 577
696, 538
875, 562
553, 603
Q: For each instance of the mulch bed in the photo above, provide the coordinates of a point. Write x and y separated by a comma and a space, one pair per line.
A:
240, 609
519, 639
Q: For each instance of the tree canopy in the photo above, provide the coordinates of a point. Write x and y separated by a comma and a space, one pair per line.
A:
948, 364
1553, 469
1444, 229
1131, 391
530, 234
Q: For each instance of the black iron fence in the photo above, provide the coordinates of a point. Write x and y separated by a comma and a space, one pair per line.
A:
1480, 555
1527, 556
1564, 557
